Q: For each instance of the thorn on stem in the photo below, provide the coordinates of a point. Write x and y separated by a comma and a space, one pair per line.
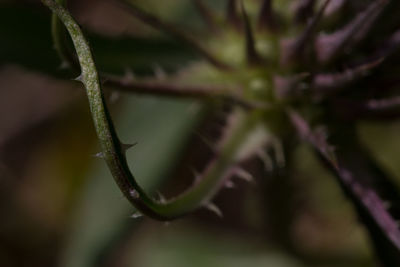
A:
214, 209
125, 147
161, 198
136, 215
99, 155
327, 82
266, 160
79, 78
244, 175
133, 193
229, 184
328, 46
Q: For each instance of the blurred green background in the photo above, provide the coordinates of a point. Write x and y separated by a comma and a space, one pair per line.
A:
59, 205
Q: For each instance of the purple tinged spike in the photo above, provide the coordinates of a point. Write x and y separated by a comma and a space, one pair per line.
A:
266, 18
328, 46
253, 58
294, 49
232, 15
325, 83
317, 140
385, 109
335, 81
373, 205
371, 208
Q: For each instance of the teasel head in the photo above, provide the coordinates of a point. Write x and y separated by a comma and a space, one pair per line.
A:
284, 73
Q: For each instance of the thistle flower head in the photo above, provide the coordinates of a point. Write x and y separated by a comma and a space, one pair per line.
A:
284, 69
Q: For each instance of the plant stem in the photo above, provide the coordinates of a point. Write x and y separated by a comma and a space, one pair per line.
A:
113, 151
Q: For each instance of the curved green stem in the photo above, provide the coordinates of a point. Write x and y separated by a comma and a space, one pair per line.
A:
113, 151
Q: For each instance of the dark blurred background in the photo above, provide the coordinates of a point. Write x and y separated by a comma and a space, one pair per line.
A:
59, 205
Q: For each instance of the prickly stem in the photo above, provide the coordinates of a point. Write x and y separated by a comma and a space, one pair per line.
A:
192, 199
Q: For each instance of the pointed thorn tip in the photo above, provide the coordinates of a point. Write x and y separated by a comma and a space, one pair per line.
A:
136, 215
79, 78
99, 155
214, 209
244, 175
125, 147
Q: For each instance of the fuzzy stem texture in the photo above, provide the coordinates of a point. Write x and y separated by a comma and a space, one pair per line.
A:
113, 150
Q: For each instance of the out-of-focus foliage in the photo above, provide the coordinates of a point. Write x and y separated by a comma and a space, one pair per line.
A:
59, 205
